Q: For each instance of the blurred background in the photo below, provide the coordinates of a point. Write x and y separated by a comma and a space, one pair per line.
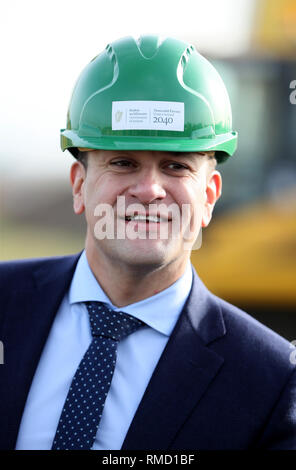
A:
248, 251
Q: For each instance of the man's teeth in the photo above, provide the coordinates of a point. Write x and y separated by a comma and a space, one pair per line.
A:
150, 218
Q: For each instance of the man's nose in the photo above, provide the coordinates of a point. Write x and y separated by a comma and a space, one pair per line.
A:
147, 187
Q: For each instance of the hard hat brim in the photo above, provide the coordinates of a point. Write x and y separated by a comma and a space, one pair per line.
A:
224, 144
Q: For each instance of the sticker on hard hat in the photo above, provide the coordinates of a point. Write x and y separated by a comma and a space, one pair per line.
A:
148, 115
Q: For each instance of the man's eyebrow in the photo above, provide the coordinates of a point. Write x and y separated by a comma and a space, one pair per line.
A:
190, 155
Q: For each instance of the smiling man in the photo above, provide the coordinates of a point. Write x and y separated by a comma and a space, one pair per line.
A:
161, 185
122, 346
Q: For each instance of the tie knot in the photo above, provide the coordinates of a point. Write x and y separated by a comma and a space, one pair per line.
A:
106, 322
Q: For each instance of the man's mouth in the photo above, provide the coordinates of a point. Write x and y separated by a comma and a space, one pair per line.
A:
146, 218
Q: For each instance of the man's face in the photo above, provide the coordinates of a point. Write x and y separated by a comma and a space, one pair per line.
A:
163, 185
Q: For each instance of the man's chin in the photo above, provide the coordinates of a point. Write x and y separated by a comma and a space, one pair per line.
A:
151, 254
153, 251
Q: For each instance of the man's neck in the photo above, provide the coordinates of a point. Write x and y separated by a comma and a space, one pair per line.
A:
125, 284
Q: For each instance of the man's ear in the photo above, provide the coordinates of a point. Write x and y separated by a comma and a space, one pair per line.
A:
77, 178
213, 192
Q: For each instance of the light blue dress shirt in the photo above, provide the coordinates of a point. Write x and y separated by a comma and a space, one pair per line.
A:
69, 338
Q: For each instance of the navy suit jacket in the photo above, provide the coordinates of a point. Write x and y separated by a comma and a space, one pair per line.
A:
224, 381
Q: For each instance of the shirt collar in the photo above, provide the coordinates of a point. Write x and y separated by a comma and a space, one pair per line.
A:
160, 311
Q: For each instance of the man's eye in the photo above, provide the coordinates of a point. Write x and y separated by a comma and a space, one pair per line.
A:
121, 163
177, 166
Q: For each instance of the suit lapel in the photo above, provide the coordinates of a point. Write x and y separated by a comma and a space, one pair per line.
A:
183, 374
30, 313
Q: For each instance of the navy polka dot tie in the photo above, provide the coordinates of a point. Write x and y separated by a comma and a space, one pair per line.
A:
85, 401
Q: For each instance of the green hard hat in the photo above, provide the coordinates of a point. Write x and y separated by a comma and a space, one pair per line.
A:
150, 94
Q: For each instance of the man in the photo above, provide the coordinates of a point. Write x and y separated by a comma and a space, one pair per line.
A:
147, 122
